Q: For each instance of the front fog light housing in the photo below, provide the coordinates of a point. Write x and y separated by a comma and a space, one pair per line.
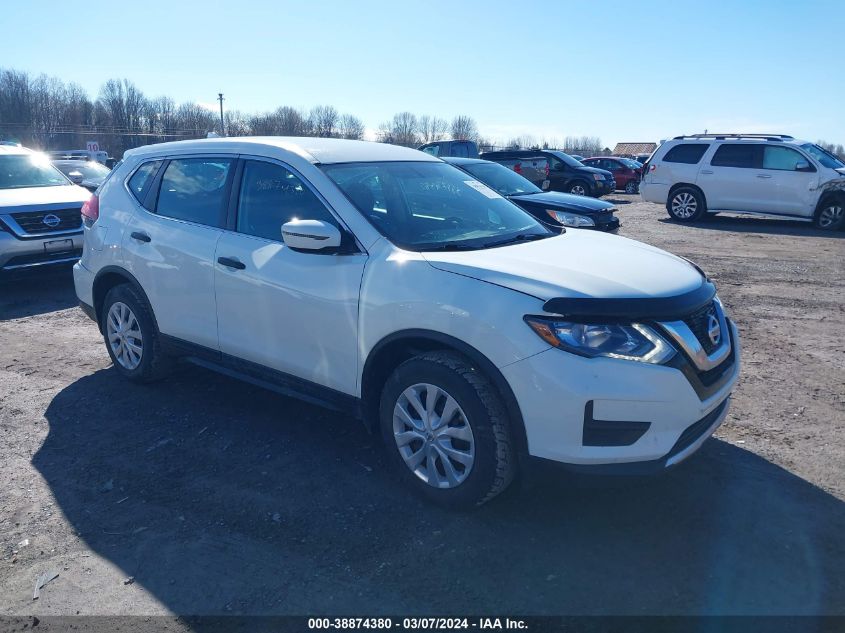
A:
570, 219
633, 341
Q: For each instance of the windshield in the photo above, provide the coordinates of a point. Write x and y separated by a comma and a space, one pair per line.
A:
432, 206
88, 170
824, 157
29, 170
506, 181
566, 158
631, 164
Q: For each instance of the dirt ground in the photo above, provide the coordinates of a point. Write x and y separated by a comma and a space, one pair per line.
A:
202, 495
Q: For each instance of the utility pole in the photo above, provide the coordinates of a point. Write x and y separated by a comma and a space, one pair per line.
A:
222, 128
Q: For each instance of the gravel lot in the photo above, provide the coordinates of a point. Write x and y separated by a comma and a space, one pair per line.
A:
216, 497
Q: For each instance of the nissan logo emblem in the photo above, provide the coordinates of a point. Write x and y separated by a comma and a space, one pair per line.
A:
714, 330
51, 220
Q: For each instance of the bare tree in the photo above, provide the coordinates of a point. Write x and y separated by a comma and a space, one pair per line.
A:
464, 128
324, 121
402, 129
432, 128
236, 123
351, 127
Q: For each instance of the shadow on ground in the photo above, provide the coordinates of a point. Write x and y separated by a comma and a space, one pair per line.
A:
223, 498
36, 291
747, 224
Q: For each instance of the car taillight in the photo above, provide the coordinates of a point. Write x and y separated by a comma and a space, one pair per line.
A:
518, 168
91, 210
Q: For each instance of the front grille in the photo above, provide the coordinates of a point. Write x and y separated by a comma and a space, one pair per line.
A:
32, 222
697, 322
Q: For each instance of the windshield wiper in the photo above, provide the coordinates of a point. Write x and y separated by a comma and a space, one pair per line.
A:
448, 247
522, 237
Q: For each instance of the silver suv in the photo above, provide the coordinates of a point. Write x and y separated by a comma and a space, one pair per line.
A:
747, 173
40, 220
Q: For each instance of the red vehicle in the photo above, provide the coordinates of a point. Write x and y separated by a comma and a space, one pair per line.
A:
626, 172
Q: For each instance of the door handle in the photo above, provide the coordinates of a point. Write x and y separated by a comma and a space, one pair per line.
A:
141, 237
706, 171
231, 263
764, 175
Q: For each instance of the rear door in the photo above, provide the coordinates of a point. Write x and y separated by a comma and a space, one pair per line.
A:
731, 182
170, 241
295, 312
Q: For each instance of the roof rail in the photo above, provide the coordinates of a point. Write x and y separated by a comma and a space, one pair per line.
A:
720, 137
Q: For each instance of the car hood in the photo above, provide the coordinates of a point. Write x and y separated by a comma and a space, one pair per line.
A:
596, 170
15, 199
564, 201
576, 264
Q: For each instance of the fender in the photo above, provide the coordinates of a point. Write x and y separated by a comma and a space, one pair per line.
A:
427, 340
130, 278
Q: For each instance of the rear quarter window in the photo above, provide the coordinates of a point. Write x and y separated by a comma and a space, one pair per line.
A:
139, 182
687, 153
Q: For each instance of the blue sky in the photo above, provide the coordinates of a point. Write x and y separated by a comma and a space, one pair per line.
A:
639, 70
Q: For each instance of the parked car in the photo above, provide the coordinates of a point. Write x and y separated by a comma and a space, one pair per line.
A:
382, 281
747, 173
554, 209
580, 159
459, 148
641, 158
79, 154
626, 172
535, 169
40, 220
86, 173
565, 173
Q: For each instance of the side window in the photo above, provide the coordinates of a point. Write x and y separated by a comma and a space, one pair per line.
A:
459, 150
141, 179
272, 195
687, 153
194, 190
434, 150
783, 158
742, 155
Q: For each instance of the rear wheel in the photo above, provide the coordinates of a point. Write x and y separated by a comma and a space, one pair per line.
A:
579, 188
447, 430
686, 204
830, 215
130, 335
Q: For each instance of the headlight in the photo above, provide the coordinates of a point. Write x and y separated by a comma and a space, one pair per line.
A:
629, 342
599, 176
570, 219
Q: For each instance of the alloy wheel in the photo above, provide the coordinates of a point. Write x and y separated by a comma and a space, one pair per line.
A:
578, 190
831, 216
124, 335
684, 205
433, 435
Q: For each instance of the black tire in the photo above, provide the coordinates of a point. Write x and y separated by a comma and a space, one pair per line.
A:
494, 465
632, 186
686, 204
579, 188
830, 215
154, 364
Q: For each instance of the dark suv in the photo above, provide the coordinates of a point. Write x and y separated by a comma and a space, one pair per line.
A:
565, 173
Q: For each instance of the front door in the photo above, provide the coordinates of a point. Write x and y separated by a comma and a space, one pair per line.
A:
295, 312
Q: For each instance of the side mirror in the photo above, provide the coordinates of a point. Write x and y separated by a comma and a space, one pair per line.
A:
310, 235
803, 165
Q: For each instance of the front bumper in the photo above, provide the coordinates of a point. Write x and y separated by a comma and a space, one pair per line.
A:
614, 414
18, 254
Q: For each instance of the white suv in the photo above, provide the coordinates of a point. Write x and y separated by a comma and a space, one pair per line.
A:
766, 174
382, 281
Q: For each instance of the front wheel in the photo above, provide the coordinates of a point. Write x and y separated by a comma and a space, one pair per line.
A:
686, 205
831, 215
579, 188
632, 186
447, 430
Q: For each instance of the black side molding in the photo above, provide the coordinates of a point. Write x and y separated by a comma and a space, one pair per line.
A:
634, 309
610, 432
